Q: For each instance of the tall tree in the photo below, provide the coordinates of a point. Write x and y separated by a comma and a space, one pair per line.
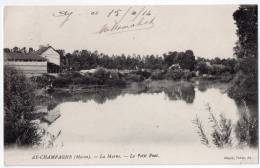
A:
245, 84
246, 20
16, 49
31, 50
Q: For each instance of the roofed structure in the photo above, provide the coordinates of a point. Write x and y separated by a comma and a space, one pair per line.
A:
29, 63
50, 54
10, 56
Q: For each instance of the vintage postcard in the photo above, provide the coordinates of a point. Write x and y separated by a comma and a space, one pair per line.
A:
127, 85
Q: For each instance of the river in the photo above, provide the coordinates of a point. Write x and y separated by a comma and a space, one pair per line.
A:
157, 120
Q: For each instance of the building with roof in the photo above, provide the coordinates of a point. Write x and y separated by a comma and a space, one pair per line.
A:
29, 63
52, 56
44, 60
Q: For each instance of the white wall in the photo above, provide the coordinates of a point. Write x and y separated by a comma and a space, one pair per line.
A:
31, 67
52, 56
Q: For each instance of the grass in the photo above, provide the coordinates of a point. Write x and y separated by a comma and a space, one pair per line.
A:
220, 133
203, 137
245, 129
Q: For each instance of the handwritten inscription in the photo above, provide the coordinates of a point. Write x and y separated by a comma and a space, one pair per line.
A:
63, 14
130, 20
116, 20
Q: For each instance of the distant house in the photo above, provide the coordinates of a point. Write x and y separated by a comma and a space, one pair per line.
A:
52, 56
175, 67
208, 64
29, 63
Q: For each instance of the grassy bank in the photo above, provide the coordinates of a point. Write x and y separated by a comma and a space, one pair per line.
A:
104, 78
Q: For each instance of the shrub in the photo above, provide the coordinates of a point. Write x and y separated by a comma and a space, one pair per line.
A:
144, 74
89, 79
203, 137
158, 75
101, 73
43, 80
19, 105
246, 128
174, 74
72, 74
187, 74
217, 69
244, 87
62, 81
202, 68
65, 79
77, 80
115, 82
226, 77
134, 77
221, 131
221, 135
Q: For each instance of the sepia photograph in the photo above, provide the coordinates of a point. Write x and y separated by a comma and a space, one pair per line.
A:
130, 84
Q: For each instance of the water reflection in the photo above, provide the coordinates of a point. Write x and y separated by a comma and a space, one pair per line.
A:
202, 86
177, 91
141, 113
131, 117
181, 91
99, 96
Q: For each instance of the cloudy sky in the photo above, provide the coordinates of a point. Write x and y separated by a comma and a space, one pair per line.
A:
207, 30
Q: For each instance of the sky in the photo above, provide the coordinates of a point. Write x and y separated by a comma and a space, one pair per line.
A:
207, 30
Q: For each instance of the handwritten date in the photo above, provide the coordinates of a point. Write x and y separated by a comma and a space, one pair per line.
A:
130, 20
116, 20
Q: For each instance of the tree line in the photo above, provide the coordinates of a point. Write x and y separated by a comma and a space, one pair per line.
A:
85, 59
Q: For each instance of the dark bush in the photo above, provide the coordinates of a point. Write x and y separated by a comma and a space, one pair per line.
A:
101, 73
226, 77
134, 78
19, 103
158, 75
216, 69
202, 68
62, 81
144, 74
187, 74
43, 80
174, 74
247, 128
115, 82
244, 87
77, 80
89, 79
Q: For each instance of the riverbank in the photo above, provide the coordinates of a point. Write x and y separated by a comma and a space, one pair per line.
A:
102, 77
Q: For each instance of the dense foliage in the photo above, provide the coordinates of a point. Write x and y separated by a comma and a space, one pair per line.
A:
245, 84
84, 60
18, 108
69, 79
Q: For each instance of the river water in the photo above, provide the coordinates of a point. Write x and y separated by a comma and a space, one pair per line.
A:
157, 121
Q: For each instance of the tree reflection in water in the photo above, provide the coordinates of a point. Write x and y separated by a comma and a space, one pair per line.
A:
181, 91
178, 91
